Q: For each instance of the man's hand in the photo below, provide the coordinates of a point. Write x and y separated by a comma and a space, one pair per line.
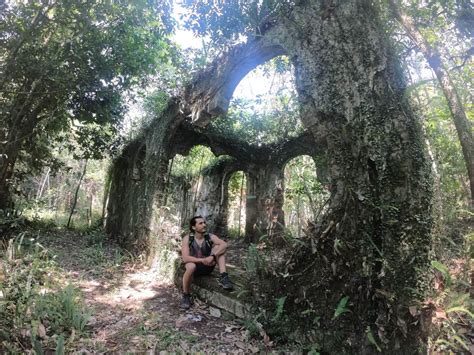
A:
209, 261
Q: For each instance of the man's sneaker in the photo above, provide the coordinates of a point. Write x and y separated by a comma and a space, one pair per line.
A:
185, 301
225, 282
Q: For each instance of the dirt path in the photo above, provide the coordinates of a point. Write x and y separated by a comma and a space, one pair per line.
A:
135, 311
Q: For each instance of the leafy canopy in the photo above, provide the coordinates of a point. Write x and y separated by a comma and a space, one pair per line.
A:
228, 22
66, 66
269, 116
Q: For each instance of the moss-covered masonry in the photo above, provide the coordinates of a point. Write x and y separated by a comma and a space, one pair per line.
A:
372, 244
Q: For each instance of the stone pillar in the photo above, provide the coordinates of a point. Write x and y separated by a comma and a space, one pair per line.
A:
264, 207
213, 195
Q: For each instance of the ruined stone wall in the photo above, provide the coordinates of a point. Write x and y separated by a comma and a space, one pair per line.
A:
371, 246
137, 182
264, 205
213, 196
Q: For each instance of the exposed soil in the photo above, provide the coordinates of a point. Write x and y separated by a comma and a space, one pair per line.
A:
133, 310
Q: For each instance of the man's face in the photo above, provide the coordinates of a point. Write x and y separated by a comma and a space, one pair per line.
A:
200, 226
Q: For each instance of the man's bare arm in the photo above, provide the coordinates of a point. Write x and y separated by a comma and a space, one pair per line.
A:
220, 246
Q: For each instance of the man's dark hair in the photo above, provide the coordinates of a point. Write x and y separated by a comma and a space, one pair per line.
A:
192, 222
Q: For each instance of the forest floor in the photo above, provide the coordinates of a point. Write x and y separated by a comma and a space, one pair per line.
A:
127, 307
133, 309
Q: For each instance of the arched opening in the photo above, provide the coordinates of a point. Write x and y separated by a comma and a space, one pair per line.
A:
237, 193
376, 234
264, 108
305, 195
263, 117
184, 183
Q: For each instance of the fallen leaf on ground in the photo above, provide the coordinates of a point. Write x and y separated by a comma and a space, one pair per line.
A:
41, 330
215, 312
241, 345
266, 340
181, 321
230, 328
254, 349
441, 314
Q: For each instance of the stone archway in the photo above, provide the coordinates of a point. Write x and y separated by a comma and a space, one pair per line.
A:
236, 185
305, 194
214, 194
351, 92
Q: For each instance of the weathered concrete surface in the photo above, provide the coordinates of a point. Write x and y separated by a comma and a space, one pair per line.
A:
235, 302
376, 233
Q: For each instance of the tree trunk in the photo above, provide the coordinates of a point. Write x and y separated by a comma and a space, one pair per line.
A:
7, 165
74, 202
21, 123
461, 122
39, 193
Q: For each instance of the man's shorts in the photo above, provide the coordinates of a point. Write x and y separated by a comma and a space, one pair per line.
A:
202, 270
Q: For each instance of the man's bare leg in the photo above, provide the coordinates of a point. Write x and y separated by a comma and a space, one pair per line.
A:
188, 276
221, 263
187, 279
224, 280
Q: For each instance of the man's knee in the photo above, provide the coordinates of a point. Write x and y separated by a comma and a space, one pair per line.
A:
190, 267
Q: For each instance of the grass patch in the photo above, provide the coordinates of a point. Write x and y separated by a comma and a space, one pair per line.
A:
36, 311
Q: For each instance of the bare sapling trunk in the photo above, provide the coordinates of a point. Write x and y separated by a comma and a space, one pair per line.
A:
461, 122
74, 202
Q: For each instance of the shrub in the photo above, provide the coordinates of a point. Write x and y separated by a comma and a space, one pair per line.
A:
36, 312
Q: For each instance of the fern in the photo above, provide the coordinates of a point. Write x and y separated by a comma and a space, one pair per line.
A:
60, 346
280, 304
443, 269
341, 307
371, 338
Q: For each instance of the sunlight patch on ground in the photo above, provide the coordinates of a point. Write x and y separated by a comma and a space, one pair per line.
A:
133, 290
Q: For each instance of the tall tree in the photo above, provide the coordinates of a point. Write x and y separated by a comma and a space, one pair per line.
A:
432, 54
64, 68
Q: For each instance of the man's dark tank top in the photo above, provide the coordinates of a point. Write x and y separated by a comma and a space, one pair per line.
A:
200, 251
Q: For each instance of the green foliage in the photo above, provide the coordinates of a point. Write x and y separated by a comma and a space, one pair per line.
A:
48, 196
341, 307
371, 339
443, 269
35, 312
280, 303
269, 117
61, 311
226, 22
443, 25
11, 220
305, 194
65, 67
453, 317
60, 346
192, 165
236, 203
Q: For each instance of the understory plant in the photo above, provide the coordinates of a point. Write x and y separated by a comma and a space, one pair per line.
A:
452, 300
36, 311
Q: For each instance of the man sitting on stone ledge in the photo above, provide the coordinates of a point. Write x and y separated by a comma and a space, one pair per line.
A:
201, 252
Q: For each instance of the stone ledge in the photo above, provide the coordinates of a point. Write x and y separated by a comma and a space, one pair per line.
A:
235, 302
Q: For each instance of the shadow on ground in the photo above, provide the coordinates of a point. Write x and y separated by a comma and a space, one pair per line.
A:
134, 310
